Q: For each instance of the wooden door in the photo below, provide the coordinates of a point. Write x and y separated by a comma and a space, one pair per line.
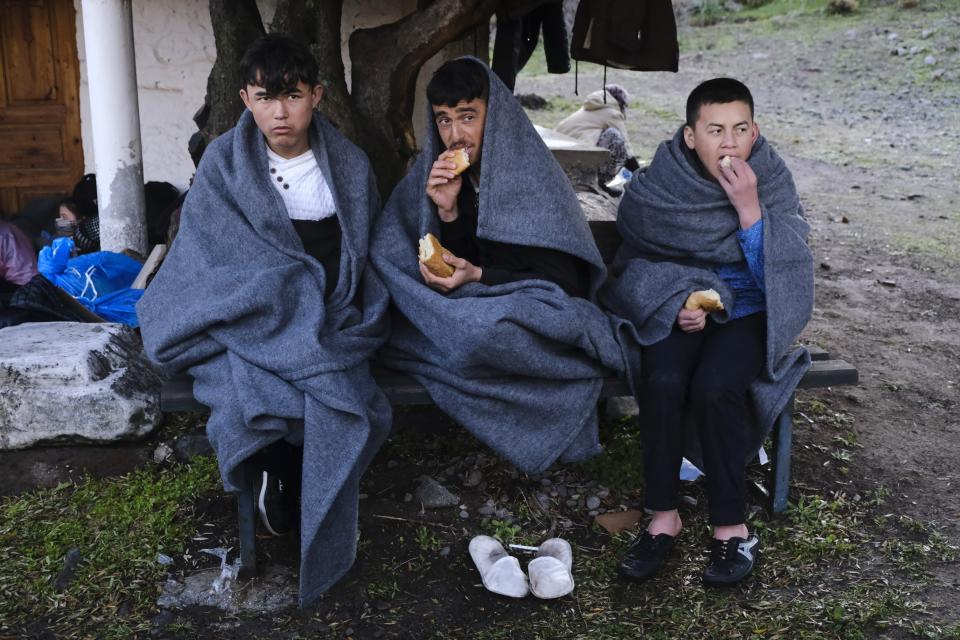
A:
40, 148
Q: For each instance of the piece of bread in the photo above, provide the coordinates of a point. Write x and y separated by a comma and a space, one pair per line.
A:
462, 160
725, 162
431, 256
708, 300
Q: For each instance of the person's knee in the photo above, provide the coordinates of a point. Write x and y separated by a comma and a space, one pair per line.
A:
665, 385
715, 392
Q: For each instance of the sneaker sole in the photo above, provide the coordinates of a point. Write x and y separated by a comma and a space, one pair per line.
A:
262, 508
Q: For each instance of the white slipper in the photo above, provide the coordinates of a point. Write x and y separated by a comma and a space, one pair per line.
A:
550, 572
501, 573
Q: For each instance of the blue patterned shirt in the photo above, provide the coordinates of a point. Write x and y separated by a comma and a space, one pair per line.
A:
746, 278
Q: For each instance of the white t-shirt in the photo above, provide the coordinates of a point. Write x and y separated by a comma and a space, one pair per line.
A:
302, 186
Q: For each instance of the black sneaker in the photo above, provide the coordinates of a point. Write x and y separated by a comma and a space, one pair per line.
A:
731, 561
646, 555
274, 502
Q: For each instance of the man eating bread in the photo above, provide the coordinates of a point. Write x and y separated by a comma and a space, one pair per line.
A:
510, 344
717, 279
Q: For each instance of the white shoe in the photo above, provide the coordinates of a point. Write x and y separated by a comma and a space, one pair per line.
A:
501, 573
550, 572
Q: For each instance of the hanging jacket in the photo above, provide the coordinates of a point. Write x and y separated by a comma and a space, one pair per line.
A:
640, 35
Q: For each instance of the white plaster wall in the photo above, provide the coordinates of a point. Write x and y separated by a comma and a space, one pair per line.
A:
175, 51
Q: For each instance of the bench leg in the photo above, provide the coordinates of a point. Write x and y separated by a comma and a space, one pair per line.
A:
782, 439
247, 525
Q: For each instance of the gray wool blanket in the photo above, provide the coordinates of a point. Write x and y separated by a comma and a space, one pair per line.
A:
239, 304
676, 226
520, 365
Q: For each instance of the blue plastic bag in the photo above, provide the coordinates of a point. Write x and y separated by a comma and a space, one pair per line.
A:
100, 281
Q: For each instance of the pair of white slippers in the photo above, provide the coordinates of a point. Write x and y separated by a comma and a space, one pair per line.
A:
550, 571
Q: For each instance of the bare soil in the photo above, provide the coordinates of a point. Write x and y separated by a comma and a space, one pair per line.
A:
873, 142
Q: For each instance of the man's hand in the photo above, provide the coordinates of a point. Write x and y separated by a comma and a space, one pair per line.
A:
691, 321
740, 183
443, 186
464, 273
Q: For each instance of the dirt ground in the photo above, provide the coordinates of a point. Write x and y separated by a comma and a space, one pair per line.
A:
873, 140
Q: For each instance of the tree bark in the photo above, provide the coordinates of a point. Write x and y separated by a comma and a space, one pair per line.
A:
236, 23
317, 24
386, 61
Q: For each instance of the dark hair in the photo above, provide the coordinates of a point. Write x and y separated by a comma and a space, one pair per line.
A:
456, 80
85, 196
277, 63
716, 91
72, 205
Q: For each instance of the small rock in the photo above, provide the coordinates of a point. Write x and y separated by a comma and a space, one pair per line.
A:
825, 266
690, 500
593, 502
164, 559
162, 453
392, 464
887, 283
473, 478
621, 408
433, 495
733, 7
545, 482
543, 500
407, 497
926, 33
380, 605
532, 101
561, 490
593, 513
70, 563
190, 445
160, 621
938, 73
893, 36
487, 510
444, 552
930, 61
915, 49
898, 51
845, 220
464, 515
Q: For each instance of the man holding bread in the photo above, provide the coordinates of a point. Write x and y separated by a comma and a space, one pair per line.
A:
266, 299
492, 271
717, 279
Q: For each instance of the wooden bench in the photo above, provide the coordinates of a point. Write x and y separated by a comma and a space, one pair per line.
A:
177, 395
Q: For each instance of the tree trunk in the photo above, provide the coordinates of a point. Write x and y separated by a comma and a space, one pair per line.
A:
236, 23
386, 61
317, 25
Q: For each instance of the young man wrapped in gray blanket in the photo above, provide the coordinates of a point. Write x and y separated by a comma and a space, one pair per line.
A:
510, 344
717, 208
266, 298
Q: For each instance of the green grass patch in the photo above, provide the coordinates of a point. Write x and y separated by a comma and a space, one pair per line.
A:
620, 466
119, 525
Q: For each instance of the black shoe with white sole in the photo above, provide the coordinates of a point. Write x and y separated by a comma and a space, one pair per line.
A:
731, 561
275, 504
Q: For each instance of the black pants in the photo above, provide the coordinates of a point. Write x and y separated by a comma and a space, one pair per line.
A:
708, 374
